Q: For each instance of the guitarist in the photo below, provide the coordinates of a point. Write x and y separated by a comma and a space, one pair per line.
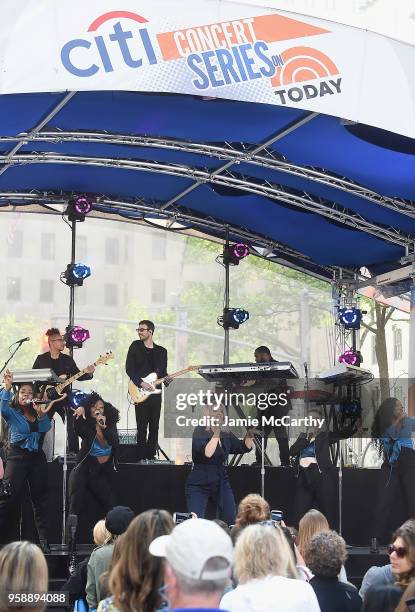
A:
64, 366
144, 357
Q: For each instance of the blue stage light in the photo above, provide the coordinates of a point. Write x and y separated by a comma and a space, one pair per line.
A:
234, 317
77, 398
350, 317
75, 274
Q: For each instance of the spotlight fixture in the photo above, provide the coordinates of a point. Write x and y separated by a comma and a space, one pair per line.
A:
350, 317
75, 336
350, 409
233, 317
75, 274
351, 357
233, 253
77, 397
78, 207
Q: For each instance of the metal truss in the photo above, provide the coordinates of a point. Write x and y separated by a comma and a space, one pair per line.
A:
267, 158
304, 201
146, 211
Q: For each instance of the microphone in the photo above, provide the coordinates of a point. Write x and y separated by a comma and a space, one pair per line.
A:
305, 368
34, 401
22, 340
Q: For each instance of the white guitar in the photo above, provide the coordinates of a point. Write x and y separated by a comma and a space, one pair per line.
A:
139, 395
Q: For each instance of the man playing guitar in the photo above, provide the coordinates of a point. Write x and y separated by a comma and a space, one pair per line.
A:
65, 367
144, 357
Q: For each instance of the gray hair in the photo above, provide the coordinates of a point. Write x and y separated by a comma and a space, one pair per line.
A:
325, 554
192, 586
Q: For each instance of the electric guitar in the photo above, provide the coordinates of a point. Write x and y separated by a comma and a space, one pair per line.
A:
54, 394
139, 395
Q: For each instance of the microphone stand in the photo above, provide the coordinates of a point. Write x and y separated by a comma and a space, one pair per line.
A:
6, 363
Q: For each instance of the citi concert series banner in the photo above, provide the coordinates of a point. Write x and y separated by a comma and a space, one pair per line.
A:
209, 48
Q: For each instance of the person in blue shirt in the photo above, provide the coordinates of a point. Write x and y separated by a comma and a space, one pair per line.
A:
96, 462
208, 479
393, 430
26, 462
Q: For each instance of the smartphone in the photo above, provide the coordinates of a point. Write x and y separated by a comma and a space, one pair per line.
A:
276, 515
179, 517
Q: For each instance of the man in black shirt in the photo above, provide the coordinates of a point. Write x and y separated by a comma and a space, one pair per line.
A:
144, 357
65, 367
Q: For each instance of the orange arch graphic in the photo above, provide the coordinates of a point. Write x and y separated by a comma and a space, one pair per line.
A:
303, 64
115, 15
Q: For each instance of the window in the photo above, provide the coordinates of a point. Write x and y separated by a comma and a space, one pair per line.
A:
15, 244
110, 295
14, 289
373, 345
112, 251
81, 249
46, 289
158, 290
159, 245
47, 246
397, 343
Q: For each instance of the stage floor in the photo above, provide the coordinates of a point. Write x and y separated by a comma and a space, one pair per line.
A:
162, 486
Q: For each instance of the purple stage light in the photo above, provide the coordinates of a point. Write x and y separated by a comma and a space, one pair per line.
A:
75, 336
83, 205
349, 357
240, 250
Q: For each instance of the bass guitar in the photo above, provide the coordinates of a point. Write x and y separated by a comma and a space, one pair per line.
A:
53, 393
139, 395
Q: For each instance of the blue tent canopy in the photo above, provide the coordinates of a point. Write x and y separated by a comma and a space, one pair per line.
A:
304, 189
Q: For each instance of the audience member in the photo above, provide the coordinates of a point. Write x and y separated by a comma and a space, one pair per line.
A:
324, 555
104, 588
407, 603
198, 557
116, 522
402, 554
383, 598
376, 576
252, 509
312, 522
136, 578
23, 569
100, 534
302, 570
266, 574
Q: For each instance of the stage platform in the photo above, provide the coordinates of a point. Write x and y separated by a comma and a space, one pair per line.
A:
162, 486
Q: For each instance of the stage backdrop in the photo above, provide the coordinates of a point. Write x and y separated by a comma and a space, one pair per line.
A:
211, 48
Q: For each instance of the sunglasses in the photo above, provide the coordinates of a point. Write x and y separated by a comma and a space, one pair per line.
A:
400, 551
142, 329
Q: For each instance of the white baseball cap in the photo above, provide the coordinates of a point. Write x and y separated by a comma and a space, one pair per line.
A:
191, 545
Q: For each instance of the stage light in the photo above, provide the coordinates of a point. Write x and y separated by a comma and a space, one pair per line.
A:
351, 358
350, 317
75, 274
77, 397
234, 317
78, 207
75, 336
233, 254
350, 409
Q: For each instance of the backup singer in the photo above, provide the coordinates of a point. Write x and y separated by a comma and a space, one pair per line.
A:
64, 366
26, 461
208, 479
96, 463
393, 430
316, 476
144, 357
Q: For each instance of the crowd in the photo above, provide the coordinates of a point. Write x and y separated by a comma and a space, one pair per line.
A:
148, 564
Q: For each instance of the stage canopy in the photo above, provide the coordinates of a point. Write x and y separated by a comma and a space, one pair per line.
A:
286, 129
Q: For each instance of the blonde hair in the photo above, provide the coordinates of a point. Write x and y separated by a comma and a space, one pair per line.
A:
262, 550
100, 533
23, 568
312, 522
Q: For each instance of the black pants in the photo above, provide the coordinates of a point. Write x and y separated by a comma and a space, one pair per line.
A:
98, 478
147, 415
24, 468
206, 483
73, 440
396, 483
316, 489
280, 433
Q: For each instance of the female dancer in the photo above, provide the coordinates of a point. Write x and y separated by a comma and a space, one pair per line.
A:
392, 430
26, 461
96, 462
211, 446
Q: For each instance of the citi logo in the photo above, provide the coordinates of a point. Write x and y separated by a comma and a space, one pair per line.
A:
85, 57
